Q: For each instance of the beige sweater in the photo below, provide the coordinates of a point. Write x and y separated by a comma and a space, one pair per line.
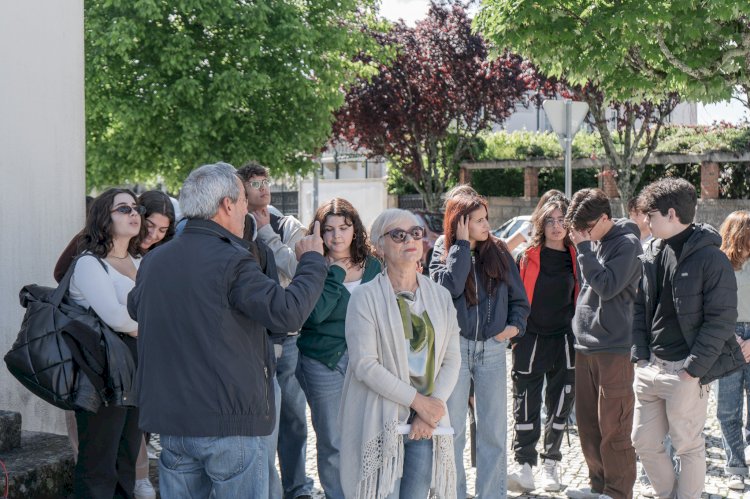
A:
377, 392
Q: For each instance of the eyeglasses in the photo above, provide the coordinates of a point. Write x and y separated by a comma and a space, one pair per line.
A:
257, 184
126, 210
593, 226
649, 213
399, 235
551, 222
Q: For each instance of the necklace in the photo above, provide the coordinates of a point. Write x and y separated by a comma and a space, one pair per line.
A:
119, 257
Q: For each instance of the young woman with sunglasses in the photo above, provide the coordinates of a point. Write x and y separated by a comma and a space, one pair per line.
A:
548, 271
322, 345
491, 305
159, 217
108, 439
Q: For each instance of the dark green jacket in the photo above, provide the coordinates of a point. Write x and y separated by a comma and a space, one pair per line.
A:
322, 335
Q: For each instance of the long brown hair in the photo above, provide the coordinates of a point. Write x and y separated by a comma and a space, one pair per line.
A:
540, 216
492, 255
735, 237
360, 248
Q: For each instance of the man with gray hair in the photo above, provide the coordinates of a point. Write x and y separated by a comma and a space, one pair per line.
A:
203, 308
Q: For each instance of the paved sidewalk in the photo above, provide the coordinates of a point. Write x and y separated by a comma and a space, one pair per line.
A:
574, 470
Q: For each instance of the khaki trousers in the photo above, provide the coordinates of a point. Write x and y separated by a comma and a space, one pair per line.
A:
666, 405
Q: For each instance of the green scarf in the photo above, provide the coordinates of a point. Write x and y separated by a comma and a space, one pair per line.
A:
421, 335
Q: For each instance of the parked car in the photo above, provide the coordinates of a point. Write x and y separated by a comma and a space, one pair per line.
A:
510, 227
433, 224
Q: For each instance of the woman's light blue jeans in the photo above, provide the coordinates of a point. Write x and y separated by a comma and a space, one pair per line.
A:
415, 481
732, 391
484, 362
323, 388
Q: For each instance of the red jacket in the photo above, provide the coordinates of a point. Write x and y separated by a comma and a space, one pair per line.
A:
529, 268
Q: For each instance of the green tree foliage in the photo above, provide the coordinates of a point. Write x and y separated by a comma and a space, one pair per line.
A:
174, 84
582, 46
701, 47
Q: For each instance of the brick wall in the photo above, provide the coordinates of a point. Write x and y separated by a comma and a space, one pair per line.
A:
712, 211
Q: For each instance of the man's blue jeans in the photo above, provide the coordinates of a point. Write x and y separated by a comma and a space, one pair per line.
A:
415, 481
484, 362
274, 482
323, 388
216, 467
292, 425
732, 391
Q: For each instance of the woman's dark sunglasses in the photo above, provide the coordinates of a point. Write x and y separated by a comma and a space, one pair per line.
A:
399, 235
125, 209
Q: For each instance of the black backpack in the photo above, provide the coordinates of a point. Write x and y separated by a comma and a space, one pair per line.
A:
60, 354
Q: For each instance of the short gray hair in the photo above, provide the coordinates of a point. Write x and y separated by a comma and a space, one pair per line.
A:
386, 221
205, 188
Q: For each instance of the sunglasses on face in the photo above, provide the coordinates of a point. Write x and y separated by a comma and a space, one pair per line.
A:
126, 210
399, 235
257, 184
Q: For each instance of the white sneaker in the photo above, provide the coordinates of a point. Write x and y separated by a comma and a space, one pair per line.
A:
522, 479
736, 482
550, 476
647, 491
582, 493
747, 455
144, 490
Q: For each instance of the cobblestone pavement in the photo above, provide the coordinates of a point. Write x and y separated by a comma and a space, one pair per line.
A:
574, 472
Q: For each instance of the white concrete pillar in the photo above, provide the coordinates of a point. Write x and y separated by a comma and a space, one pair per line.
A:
42, 166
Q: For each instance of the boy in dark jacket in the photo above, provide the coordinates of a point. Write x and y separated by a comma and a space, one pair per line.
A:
608, 261
683, 336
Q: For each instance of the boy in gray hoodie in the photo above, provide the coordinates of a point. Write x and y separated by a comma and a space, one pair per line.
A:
608, 261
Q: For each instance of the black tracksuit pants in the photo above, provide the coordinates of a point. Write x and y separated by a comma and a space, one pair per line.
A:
534, 359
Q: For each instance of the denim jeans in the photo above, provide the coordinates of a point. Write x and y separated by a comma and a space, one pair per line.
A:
292, 424
483, 362
732, 390
274, 482
323, 388
415, 481
219, 467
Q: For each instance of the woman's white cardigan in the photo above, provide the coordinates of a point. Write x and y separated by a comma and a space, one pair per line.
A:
377, 392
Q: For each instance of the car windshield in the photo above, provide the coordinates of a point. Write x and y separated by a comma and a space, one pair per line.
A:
434, 222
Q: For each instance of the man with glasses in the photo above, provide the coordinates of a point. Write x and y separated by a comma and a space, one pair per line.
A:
683, 337
610, 270
280, 234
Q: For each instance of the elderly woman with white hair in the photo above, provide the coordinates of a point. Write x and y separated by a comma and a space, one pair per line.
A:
402, 335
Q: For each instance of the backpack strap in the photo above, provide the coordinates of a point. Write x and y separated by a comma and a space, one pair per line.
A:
62, 288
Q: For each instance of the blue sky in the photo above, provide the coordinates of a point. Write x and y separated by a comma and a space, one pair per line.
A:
412, 10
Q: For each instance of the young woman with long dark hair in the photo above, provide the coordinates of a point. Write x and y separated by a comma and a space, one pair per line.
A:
545, 352
491, 306
322, 343
108, 440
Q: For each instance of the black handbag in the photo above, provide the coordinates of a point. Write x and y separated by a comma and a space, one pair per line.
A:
60, 354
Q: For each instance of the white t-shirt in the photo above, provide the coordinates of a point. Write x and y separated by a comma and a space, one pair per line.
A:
352, 284
104, 291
